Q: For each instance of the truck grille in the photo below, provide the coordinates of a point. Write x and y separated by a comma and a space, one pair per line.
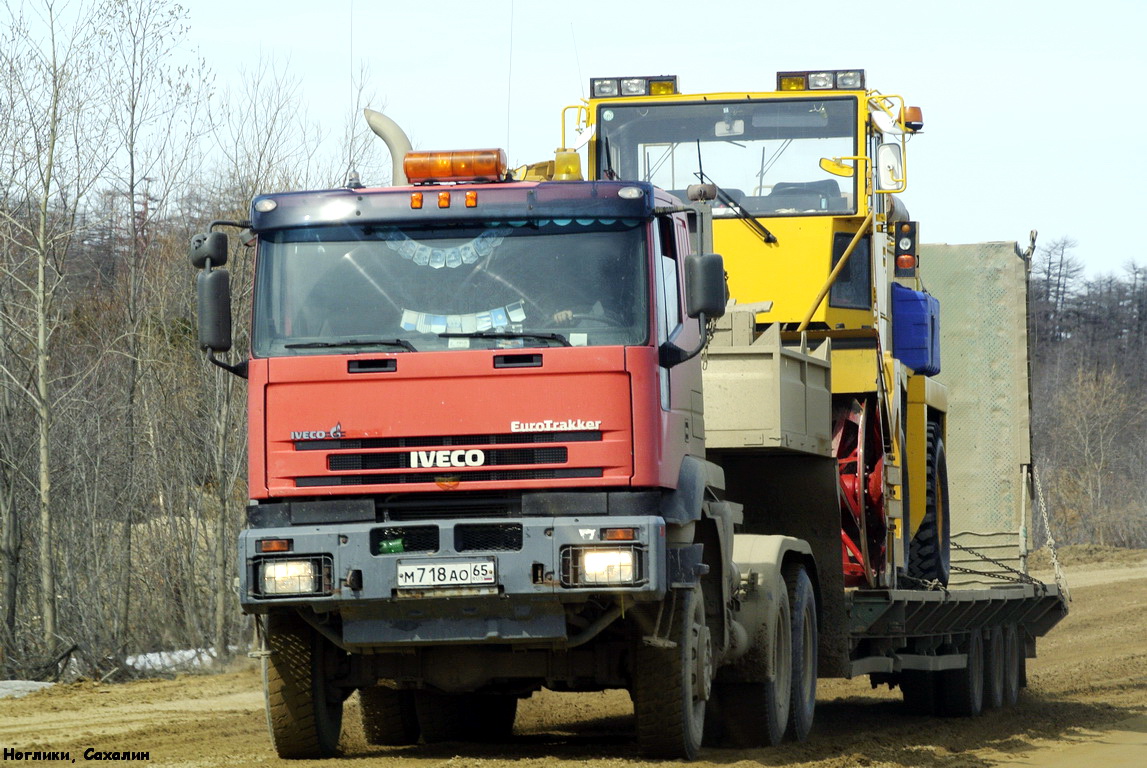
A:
448, 459
343, 462
447, 441
435, 506
448, 476
488, 537
409, 538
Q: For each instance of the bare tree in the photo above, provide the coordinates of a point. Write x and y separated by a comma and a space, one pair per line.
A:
155, 119
266, 144
55, 163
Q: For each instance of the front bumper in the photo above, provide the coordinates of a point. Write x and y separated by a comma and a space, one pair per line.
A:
372, 576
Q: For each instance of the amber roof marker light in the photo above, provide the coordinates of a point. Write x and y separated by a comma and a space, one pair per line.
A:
472, 165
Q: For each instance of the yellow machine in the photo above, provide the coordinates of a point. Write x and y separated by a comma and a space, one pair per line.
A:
806, 214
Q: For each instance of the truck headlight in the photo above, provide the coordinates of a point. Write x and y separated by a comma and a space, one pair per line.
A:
607, 566
289, 577
601, 566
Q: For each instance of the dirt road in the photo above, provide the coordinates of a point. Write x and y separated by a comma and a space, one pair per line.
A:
1086, 705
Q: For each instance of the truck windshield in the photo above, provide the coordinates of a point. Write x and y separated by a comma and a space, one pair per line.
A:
764, 153
329, 290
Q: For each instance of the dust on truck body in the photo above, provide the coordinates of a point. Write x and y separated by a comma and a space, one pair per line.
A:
507, 435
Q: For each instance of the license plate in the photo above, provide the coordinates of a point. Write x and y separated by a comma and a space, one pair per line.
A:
445, 573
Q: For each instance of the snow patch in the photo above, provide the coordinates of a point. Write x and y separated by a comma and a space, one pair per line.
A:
14, 689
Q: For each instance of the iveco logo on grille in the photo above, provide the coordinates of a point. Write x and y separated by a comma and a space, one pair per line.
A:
334, 433
470, 458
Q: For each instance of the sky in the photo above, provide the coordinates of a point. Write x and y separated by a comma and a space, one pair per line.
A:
1031, 118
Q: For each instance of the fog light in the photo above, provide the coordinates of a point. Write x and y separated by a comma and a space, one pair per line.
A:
607, 566
289, 577
633, 86
820, 80
600, 87
850, 79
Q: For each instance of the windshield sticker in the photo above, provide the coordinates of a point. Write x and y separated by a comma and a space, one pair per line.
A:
566, 425
468, 253
498, 317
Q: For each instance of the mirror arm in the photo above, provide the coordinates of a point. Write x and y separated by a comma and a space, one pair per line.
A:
669, 354
228, 223
239, 370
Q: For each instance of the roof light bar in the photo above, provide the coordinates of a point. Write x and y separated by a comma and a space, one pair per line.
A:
608, 87
821, 80
460, 165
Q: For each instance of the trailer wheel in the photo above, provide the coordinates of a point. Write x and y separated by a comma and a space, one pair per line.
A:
802, 612
921, 691
464, 716
928, 553
963, 689
304, 712
756, 714
388, 716
1012, 662
672, 685
994, 669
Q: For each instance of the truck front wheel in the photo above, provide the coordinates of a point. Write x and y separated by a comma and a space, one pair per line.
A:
671, 685
304, 712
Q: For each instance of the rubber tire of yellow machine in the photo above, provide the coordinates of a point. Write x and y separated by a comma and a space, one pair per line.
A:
756, 714
465, 716
921, 691
669, 697
388, 716
302, 715
962, 690
994, 669
929, 551
802, 615
1012, 662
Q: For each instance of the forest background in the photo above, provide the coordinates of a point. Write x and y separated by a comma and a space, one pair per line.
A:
123, 455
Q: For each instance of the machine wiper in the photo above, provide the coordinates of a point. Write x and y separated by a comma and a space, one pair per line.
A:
749, 219
353, 343
555, 337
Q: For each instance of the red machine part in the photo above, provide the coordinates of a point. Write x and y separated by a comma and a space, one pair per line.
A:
859, 449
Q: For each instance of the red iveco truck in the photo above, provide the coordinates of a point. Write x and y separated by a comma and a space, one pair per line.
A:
478, 467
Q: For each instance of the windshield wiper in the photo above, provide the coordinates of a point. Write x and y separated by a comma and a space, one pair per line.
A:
353, 343
749, 219
562, 340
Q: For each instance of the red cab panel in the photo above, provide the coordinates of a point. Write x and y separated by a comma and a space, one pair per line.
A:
464, 419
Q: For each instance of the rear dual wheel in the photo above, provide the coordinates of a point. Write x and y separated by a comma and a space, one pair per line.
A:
756, 713
994, 668
802, 613
991, 679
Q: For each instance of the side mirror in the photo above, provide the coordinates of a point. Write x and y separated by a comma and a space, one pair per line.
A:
705, 285
214, 310
889, 168
211, 246
836, 167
